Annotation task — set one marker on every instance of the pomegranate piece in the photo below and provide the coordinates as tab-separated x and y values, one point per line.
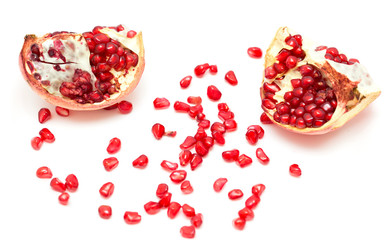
124	107
132	217
188	143
231	78
311	89
63	198
252	201
188	231
161	103
114	145
57	185
262	157
181	107
246	214
201	149
194	100
165	200
230	155
46	135
178	176
235	194
152	207
173	209
295	170
107	189
197	220
188	210
252	136
185	82
44	172
258	189
105	211
244	160
213	93
239	223
44	115
195	161
158	130
83	71
185	157
186	187
219	184
213	69
201	69
230	125
71	183
140	162
63	112
36	143
254	52
110	163
162	189
169	166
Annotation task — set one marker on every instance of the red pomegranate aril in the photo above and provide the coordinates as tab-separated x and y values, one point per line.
140	162
185	82
201	149
107	189
188	210
307	81
270	72
169	166
258	189
265	119
262	157
333	51
63	198
208	142
235	194
230	125
124	107
201	69
254	52
196	161
110	163
152	207
213	93
158	130
185	157
318	113
71	183
219	184
44	172
165	200
280	67
244	160
100	38
194	111
239	223
181	107
162	189
268	103
308	119
178	176
161	103
213	69
200	134
44	114
170	133
99	48
246	213
217	126
105	211
219	138
230	155
186	187
291	62
188	143
204	124
223	107
46	135
300	123
188	231
132	217
36	143
225	115
271	87
57	185
259	130
114	145
252	136
63	112
194	100
231	78
291	41
252	201
197	220
295	170
173	209
306	70
131	33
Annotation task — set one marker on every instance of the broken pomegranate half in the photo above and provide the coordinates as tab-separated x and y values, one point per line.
87	71
312	89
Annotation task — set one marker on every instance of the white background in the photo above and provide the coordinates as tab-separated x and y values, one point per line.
343	190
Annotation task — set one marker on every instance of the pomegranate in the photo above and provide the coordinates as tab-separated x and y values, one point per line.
311	89
85	71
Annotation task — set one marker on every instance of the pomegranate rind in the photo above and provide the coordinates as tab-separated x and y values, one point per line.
352	84
128	83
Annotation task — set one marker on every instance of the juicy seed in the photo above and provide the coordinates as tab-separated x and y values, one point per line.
158	130
178	176
231	78
235	194
46	135
219	184
124	107
71	183
105	211
114	145
254	52
44	172
201	69
132	217
63	198
185	82
161	103
213	93
63	112
140	162
188	231
44	114
106	190
295	170
110	163
36	143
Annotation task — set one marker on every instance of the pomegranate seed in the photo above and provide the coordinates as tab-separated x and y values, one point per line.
267	103
162	189
252	136
204	123
131	34
295	170
219	138
208	141
188	143
140	162
63	198
231	78
259	130
188	231
113	106
200	134
225	115
217	126
107	189
219	184
231	125
197	220
36	143
44	114
244	160
178	176
194	111
258	189
46	135
194	100
57	185
195	161
158	130
105	211
152	207
169	166
173	209
170	133
231	155
188	210
63	112
110	163
114	145
100	38
44	172
291	62
201	149
254	52
262	157
181	107
213	93
124	107
213	69
201	69
252	201
132	217
186	187
235	194
239	223
246	214
161	103
270	72
185	82
71	183
165	200
185	157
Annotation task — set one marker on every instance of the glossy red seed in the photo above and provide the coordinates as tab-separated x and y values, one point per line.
63	198
204	123
194	100
188	143
230	125
265	119
252	201
132	217
217	126
63	112
219	138
185	82
208	142
262	157
235	194
225	115
188	231
158	130
213	69
201	149
258	189
169	166
196	161
188	210
186	187
110	163
46	135
230	155
173	209
246	213
254	52
213	93
140	162
44	172
44	114
270	72
36	143
201	69
239	223
197	220
100	38
57	185
105	211
295	170
252	136
114	145
244	161
165	200
152	207
219	184
71	183
124	107
162	189
107	189
161	103
178	176
131	33
231	78
185	157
